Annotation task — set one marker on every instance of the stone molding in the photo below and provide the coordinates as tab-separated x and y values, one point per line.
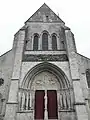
80	103
14	79
75	79
49	57
12	102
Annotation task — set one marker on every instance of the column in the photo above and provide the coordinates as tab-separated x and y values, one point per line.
59	105
30	37
58	43
40	42
49	42
45	112
27	99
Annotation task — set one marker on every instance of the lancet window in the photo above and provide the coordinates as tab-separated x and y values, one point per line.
54	42
35	41
45	40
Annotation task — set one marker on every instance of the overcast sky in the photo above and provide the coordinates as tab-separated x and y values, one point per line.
75	14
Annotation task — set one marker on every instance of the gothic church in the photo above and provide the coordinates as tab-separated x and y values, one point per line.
43	77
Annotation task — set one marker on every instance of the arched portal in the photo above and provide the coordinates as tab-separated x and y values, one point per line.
62	78
46	90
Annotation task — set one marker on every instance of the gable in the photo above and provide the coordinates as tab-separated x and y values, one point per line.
44	14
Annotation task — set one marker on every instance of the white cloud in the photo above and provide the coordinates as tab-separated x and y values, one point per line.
75	13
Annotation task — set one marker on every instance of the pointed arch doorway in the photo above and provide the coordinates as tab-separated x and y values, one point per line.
45	85
46	91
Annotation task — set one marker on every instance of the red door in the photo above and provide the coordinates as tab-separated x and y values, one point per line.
52	104
39	104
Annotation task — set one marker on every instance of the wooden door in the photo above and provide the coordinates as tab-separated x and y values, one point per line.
39	104
52	104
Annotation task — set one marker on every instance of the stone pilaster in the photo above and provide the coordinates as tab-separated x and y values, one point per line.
79	100
58	43
40	42
30	38
49	42
12	104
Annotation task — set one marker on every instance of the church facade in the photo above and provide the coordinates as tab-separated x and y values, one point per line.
43	77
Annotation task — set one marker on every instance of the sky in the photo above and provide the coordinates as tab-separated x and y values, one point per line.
75	14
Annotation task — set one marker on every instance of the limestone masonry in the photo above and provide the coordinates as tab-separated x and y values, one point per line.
43	77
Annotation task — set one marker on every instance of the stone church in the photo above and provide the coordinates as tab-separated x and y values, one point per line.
43	77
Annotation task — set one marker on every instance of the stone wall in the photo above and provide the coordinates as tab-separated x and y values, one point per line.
26	66
39	28
84	64
6	66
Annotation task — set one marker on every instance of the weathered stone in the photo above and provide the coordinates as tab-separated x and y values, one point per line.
23	71
29	57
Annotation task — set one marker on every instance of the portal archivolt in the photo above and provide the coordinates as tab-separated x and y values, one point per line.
48	84
48	67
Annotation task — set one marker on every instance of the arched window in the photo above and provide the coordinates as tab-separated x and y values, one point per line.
45	41
35	42
54	42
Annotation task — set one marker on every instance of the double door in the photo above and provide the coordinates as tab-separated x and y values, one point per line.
46	102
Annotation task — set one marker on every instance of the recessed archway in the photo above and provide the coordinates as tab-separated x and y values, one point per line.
43	82
51	68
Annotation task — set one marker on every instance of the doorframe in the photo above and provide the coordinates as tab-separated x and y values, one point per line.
45	102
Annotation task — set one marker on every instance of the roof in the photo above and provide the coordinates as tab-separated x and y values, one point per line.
44	14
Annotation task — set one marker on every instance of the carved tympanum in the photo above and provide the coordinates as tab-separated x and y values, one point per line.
45	80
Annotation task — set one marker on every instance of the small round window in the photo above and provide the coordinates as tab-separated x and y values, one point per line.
1	81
